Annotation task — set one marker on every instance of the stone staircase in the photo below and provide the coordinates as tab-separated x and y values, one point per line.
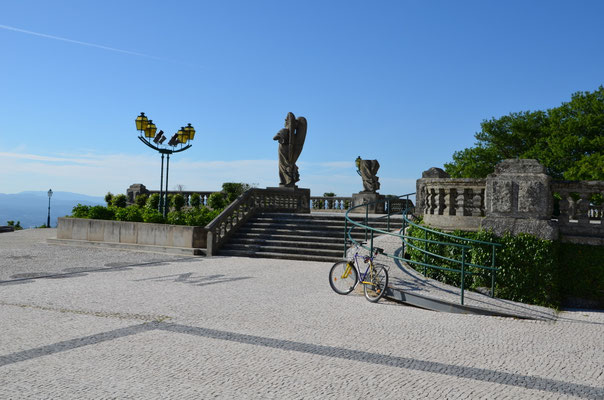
310	237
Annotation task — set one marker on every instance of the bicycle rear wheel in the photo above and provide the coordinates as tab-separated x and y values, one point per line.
343	277
377	281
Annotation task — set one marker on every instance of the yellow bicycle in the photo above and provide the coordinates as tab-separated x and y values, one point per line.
344	276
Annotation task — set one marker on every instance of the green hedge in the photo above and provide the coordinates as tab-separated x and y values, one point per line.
531	270
194	217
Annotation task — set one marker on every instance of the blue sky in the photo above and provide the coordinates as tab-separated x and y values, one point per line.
403	82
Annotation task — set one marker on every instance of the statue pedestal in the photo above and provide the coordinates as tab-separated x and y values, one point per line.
292	198
368	197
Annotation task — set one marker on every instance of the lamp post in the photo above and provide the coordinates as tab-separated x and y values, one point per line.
48	219
147	130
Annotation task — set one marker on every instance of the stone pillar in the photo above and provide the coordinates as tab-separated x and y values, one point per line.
134	190
518	199
378	200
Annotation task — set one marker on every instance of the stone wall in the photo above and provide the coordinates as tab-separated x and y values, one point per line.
96	230
517	198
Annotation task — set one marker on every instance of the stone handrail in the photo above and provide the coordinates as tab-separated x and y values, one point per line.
249	203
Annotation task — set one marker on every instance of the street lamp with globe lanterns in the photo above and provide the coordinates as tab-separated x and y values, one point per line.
147	130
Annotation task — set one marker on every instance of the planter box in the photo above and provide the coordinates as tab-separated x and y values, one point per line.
134	233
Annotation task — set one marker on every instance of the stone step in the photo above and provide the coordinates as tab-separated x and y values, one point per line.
298	226
306	239
355	217
283	256
296	232
329	224
284	249
334	245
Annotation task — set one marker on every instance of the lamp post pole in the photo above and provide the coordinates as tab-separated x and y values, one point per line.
48	219
147	130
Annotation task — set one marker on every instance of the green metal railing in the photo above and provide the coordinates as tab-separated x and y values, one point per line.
421	244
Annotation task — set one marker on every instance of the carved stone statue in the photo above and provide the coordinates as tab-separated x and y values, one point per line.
291	140
368	170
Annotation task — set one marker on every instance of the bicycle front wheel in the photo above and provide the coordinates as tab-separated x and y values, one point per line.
376	282
343	277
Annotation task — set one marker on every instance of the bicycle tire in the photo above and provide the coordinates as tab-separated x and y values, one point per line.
378	276
341	279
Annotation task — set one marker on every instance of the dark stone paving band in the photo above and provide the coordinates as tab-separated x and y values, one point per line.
479	374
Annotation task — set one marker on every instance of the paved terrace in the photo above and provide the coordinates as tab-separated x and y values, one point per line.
105	323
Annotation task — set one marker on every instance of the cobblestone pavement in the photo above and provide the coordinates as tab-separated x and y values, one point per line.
156	326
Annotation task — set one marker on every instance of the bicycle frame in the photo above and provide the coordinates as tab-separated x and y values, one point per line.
354	263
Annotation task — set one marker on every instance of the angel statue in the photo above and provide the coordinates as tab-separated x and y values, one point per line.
291	140
368	170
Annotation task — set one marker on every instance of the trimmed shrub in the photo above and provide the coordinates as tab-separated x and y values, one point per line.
195	200
216	201
132	213
153	202
100	212
176	218
152	216
80	211
178	200
201	216
141	199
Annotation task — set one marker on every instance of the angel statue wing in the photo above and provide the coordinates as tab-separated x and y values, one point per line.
299	138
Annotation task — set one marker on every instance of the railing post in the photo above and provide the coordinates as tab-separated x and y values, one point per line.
493	272
403	238
425	249
463	272
371	245
388	205
366	219
345	236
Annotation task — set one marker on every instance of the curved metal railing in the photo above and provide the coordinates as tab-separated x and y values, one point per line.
418	243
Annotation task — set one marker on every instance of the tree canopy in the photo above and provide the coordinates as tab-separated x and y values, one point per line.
568	140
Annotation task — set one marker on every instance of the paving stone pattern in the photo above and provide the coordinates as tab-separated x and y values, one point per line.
222	327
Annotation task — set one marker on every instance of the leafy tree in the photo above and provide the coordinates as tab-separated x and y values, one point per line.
568	140
120	201
108	198
329	194
233	190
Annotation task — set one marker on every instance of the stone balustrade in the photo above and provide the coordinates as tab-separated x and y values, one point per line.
330	203
451	203
518	197
581	213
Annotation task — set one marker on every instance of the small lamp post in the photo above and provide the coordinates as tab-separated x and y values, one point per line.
147	133
48	219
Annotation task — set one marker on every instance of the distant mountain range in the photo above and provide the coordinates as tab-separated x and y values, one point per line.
31	208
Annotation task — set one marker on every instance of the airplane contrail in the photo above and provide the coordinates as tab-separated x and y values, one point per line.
98	46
